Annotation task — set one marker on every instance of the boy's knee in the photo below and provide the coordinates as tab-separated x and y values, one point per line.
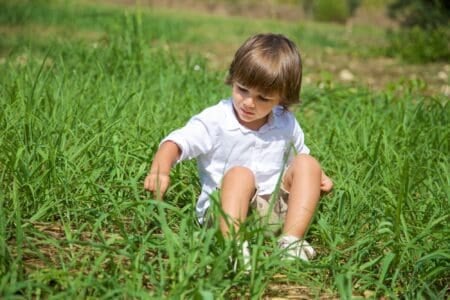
240	172
303	161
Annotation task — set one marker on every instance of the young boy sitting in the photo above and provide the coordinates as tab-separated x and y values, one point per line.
244	144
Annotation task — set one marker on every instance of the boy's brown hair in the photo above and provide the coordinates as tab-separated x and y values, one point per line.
269	63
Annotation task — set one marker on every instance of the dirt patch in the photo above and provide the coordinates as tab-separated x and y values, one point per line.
289	290
379	73
262	9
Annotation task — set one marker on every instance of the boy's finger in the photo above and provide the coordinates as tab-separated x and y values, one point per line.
148	185
326	185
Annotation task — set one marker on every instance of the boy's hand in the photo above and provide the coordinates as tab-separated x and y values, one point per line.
157	184
158	180
326	184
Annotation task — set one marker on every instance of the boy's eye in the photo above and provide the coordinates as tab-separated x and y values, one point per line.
242	89
264	99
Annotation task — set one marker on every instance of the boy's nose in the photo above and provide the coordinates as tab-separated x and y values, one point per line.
249	102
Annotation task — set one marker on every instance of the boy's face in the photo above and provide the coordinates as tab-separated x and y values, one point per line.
252	108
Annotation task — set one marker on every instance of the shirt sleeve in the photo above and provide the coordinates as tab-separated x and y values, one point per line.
299	139
194	139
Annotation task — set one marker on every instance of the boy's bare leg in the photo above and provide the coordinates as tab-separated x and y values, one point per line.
238	188
302	180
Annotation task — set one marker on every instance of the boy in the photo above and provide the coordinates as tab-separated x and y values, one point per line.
241	145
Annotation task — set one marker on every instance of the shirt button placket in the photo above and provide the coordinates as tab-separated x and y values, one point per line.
255	158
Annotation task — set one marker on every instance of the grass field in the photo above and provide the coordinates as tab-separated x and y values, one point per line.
86	94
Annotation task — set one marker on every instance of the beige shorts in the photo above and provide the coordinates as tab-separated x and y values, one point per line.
271	209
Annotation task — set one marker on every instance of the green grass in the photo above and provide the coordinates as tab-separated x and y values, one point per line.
83	107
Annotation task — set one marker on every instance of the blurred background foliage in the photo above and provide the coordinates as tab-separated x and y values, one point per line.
331	11
422	13
424	35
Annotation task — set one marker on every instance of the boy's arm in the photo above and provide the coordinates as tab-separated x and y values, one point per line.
158	180
326	184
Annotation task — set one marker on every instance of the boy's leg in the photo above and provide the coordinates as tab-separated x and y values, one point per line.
302	181
237	190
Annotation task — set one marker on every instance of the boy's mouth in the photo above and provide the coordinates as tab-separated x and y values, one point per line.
246	112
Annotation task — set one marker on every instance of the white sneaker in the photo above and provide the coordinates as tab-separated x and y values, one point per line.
245	257
295	247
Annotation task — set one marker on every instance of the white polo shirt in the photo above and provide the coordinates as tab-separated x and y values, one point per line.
218	141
